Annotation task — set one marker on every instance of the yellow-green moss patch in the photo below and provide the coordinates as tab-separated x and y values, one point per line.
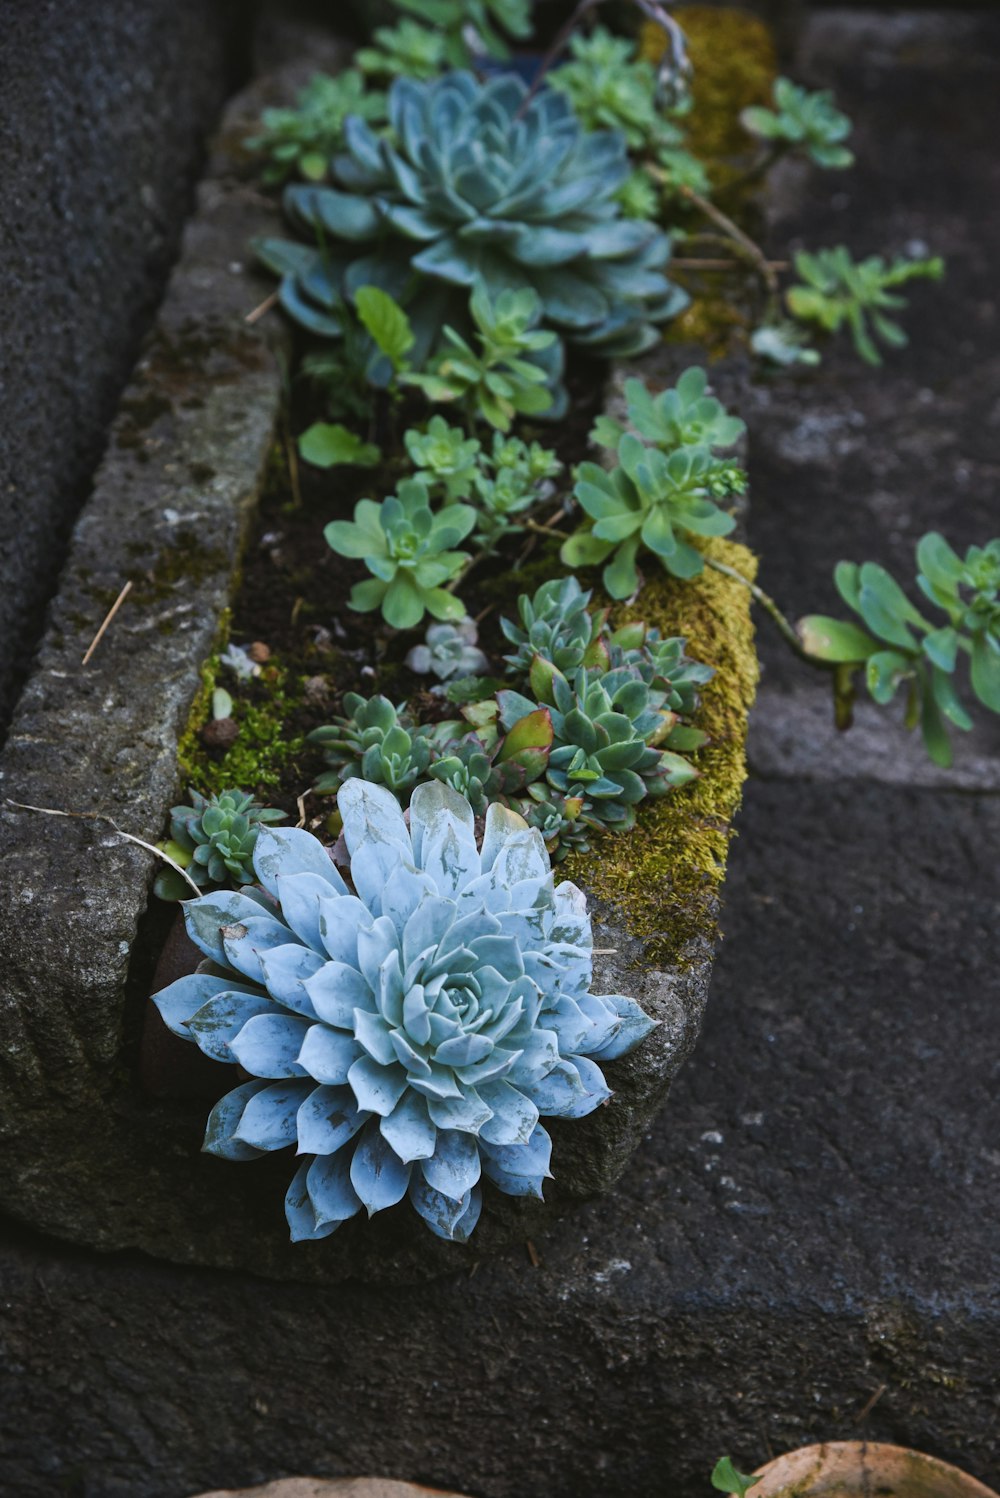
664	874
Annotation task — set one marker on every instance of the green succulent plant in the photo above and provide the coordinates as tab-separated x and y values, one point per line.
375	741
564	822
649	500
837	291
511	479
443	457
301	141
683	416
897	646
406	50
485	765
409	551
607	729
213	841
611	88
805	121
477	182
516	372
485	20
557	625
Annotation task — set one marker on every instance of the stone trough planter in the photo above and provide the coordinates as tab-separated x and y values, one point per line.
85	1152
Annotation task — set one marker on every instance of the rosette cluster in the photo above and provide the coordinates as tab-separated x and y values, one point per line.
408	1031
477	181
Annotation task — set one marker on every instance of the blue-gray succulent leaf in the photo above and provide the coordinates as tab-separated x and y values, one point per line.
292	850
327	1119
268	1045
300	1214
572	1089
339	931
513	1114
224	1120
285	970
222	1018
328	1182
635	1025
269	1120
455	1166
410	1129
520	1169
182	999
451	1220
336	990
378	1175
206	917
328	1055
243	942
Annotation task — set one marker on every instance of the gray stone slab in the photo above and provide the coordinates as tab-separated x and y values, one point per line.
102	131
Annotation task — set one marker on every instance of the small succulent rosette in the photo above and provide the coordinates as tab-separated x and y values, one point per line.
406	1035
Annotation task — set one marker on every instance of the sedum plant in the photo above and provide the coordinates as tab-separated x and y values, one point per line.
516	372
611	88
802	121
607	733
661	490
443	457
683	416
373	741
213	840
836	291
479	182
407	1035
406	50
471	28
449	650
299	142
409	552
896	645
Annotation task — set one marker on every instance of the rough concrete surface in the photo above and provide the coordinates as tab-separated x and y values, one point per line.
104	113
805	1246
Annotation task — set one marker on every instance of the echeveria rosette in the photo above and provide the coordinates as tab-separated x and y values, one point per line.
406	1036
477	183
408	550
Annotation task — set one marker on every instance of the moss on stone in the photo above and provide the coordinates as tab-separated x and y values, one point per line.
733	57
260	754
664	875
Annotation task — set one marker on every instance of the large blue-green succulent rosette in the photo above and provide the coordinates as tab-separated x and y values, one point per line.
406	1031
475	182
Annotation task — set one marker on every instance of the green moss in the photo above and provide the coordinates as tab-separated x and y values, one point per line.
733	57
263	750
664	875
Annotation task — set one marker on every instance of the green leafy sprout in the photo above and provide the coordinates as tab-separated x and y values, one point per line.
506	377
726	1478
802	121
896	645
489	22
406	50
836	291
663	488
299	141
409	551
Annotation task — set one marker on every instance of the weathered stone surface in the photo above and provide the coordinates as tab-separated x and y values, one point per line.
105	112
109	1165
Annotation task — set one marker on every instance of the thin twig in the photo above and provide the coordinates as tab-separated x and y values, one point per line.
767	603
545	530
112	611
882	1388
752	251
100	816
300	802
262	310
700	263
293	469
